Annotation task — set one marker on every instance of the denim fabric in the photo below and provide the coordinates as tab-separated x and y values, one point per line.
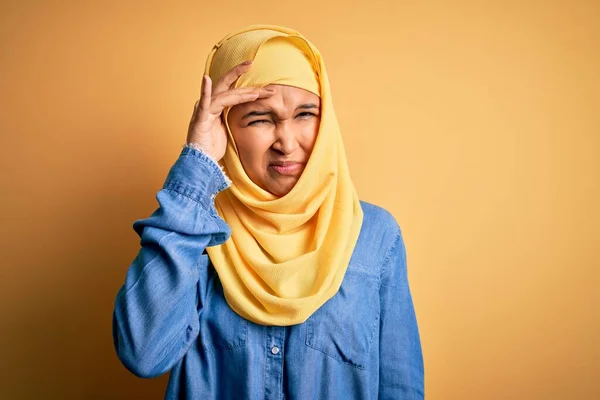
171	315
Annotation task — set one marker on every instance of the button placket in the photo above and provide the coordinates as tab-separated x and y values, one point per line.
274	341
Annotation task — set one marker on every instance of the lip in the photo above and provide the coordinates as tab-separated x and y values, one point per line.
286	167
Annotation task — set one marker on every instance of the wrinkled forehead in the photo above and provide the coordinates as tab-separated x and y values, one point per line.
277	59
284	103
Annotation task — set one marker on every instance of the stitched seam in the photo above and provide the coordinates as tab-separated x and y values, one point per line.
267	364
171	186
388	256
227	347
374	329
310	333
214	348
336	358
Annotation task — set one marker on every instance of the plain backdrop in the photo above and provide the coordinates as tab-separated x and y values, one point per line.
476	123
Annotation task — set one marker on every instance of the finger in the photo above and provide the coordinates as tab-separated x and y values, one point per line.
231	76
264	93
248	90
236	91
203	108
232	99
193	119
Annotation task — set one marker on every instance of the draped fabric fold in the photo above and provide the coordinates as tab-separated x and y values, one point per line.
287	255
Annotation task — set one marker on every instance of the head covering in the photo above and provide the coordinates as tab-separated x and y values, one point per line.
287	255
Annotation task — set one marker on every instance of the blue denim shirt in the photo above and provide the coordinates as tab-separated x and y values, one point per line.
171	314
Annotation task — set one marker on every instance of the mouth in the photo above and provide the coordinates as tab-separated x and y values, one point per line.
286	167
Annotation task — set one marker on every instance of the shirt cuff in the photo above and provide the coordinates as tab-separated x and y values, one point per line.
196	176
215	162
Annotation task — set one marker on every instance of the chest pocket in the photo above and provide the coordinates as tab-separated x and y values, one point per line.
221	328
344	327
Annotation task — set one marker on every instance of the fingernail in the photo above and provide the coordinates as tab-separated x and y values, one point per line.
247	62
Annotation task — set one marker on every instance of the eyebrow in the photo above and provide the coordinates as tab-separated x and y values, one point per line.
308	106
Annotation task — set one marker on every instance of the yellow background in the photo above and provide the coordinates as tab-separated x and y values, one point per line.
477	124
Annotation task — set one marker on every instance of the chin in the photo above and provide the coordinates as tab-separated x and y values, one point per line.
280	190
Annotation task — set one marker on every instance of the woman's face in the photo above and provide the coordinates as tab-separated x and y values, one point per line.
275	136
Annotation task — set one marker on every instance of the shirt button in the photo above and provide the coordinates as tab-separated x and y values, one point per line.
275	350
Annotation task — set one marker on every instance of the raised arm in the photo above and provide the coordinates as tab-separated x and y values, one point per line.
156	311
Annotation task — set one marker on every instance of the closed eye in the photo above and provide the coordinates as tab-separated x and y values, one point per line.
259	122
302	115
305	115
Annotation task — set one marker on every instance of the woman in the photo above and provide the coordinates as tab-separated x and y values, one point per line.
284	285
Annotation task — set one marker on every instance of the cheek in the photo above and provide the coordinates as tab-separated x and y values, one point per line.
252	148
309	135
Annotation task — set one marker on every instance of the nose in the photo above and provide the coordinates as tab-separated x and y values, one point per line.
285	139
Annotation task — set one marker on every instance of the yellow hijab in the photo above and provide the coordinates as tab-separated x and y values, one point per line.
287	255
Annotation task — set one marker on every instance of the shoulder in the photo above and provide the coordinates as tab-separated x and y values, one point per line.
372	211
378	221
379	233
